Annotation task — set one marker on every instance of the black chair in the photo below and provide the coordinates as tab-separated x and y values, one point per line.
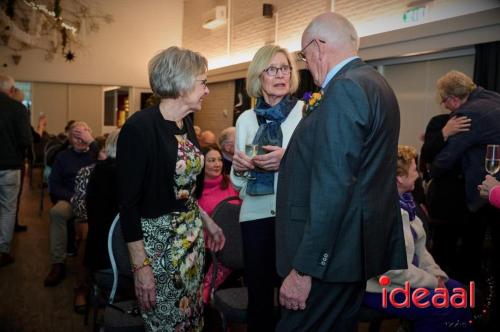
51	148
122	315
230	303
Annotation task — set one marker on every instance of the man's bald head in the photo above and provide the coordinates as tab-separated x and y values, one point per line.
335	30
207	138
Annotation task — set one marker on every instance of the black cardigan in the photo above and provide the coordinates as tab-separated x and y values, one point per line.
146	158
102	207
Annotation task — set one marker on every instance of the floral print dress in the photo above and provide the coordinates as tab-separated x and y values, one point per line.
174	243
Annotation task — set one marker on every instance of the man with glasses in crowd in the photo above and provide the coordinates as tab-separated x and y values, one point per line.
464	98
338	220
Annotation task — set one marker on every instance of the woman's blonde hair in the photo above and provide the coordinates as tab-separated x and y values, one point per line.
174	70
406	154
260	62
455	83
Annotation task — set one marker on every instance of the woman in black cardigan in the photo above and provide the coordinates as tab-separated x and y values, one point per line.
160	176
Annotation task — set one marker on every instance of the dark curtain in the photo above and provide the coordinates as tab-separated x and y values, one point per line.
242	101
306	84
487	66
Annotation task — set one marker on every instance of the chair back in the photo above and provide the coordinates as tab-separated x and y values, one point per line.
227	216
118	256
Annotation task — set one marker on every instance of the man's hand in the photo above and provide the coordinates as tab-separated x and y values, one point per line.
456	125
83	134
271	160
294	291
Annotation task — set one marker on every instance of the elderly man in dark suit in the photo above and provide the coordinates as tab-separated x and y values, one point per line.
460	95
338	221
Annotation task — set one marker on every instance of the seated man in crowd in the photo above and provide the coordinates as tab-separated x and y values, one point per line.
207	138
422	271
226	144
82	152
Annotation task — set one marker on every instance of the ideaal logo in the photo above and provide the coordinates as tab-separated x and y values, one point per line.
442	298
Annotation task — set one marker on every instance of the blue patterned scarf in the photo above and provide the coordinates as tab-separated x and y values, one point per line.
269	133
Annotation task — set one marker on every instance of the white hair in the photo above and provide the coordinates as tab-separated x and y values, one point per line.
334	29
6	83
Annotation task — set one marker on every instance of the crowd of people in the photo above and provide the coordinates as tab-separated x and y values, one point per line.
325	191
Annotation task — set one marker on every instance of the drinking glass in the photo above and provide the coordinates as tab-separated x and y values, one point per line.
492	159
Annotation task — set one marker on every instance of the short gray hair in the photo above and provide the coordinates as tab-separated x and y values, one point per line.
110	145
225	134
6	83
174	70
260	62
335	29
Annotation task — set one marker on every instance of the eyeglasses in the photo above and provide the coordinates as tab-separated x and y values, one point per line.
444	100
203	82
273	71
301	56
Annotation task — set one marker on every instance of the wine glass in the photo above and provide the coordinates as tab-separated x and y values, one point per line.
251	150
492	160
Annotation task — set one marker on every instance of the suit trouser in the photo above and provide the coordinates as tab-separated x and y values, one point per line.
10	181
330	307
259	251
60	213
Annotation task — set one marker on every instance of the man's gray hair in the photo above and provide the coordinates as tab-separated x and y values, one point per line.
174	70
334	29
225	135
6	83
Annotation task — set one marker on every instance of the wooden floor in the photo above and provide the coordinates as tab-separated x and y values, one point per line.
25	304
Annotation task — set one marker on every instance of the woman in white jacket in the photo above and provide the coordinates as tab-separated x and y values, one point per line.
422	271
271	79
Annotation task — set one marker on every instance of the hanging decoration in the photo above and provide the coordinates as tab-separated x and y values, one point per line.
55	27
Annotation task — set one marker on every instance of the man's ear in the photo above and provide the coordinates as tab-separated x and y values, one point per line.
399	179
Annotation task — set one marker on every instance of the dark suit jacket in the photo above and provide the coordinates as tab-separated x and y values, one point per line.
483	108
338	216
446	194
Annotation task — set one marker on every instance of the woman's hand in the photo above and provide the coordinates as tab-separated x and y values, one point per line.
456	125
241	162
271	160
488	184
215	239
145	288
441	282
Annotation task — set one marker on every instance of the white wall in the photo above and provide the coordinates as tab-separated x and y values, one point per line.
415	87
117	54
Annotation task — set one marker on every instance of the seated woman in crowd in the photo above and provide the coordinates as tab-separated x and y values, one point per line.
271	79
490	188
216	188
422	272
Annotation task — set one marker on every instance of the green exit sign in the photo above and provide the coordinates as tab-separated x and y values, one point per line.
413	15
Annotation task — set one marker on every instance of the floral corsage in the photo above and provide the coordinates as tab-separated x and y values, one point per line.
311	102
